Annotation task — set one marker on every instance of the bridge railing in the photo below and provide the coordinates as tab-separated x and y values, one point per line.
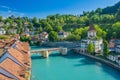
50	49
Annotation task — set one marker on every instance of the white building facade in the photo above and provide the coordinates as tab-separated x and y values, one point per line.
117	49
63	34
44	37
2	31
98	43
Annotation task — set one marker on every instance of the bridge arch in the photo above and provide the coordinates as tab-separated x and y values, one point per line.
46	52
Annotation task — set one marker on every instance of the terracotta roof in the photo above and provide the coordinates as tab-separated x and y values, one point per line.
91	28
11	67
111	43
9	44
3	77
22	47
1	52
2	45
24	58
25	45
16	54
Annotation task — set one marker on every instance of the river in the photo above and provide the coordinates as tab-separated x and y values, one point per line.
71	67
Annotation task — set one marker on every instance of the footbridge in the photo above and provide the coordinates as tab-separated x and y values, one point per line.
46	52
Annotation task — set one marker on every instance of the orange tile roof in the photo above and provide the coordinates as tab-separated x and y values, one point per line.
23	46
2	44
3	77
1	52
11	67
16	54
24	58
9	44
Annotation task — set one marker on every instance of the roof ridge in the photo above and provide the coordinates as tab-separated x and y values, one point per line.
7	70
16	58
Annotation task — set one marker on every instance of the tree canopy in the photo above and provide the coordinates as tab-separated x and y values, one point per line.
53	36
91	48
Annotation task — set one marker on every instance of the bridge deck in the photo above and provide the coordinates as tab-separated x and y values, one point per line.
50	49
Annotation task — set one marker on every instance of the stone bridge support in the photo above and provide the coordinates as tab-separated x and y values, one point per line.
63	51
45	54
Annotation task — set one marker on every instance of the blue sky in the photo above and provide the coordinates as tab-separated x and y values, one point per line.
42	8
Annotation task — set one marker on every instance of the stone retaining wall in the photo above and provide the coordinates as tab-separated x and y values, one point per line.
102	60
65	44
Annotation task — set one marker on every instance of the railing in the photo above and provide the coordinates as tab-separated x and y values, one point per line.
52	49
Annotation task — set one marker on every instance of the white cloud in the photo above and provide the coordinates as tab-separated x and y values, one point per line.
7	14
7	7
10	11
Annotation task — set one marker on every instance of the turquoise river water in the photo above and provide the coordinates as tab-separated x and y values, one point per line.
70	67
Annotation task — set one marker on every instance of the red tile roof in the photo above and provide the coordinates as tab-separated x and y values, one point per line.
16	54
3	77
11	67
9	44
23	46
23	57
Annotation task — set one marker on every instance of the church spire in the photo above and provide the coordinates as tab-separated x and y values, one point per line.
92	32
91	28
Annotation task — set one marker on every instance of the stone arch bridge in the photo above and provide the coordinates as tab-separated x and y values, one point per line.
46	52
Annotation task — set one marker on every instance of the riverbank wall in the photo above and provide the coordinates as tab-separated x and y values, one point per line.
65	44
113	65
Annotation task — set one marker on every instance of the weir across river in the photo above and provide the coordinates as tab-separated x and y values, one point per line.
46	52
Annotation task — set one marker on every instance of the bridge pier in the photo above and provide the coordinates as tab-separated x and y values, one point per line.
45	54
63	51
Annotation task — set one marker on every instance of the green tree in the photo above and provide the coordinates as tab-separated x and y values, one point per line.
100	33
3	37
1	18
25	38
118	15
105	50
73	37
48	27
116	30
35	20
78	31
53	36
99	10
91	48
58	28
31	27
40	29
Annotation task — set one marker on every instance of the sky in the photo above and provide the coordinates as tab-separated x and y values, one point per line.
43	8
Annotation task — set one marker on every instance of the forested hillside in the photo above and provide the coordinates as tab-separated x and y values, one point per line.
107	22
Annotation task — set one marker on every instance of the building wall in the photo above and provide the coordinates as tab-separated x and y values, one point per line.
117	50
2	32
61	36
111	57
12	31
91	34
98	45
